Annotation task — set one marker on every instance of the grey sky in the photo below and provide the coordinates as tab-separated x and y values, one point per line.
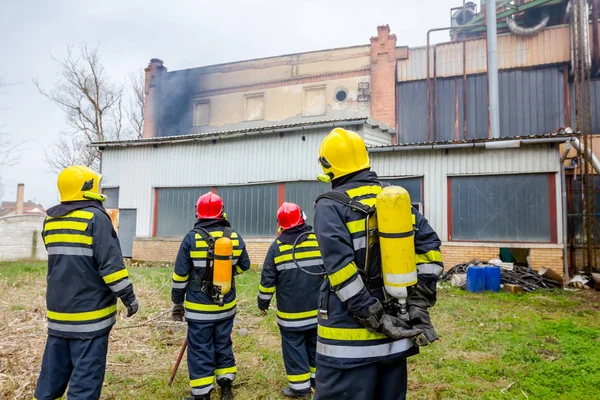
185	34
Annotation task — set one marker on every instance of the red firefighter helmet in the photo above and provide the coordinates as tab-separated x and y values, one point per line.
209	205
289	215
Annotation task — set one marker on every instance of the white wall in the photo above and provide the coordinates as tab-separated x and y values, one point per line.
17	237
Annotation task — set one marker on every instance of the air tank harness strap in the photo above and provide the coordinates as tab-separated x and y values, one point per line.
348	201
354	205
205	282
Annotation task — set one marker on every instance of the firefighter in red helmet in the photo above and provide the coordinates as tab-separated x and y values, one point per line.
297	296
210	322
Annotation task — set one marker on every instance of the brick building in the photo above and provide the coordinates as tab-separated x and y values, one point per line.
250	131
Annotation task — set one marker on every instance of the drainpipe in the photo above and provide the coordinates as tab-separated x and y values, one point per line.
563	185
492	42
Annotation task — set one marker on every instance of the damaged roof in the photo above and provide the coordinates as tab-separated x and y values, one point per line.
557	136
275	128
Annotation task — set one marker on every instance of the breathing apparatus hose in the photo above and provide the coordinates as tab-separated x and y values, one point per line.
297	263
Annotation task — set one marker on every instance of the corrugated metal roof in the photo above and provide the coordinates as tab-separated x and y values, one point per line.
275	128
562	133
551	46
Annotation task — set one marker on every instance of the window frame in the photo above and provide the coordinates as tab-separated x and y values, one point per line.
305	89
197	102
420	204
253	95
551	200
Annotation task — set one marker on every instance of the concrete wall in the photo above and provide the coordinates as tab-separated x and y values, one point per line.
284	103
20	238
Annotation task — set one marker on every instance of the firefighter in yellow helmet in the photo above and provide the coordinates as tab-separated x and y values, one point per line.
362	347
85	276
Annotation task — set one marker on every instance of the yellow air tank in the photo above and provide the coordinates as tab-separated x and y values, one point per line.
223	268
395	231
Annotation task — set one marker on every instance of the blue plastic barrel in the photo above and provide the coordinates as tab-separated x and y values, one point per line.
492	278
475	279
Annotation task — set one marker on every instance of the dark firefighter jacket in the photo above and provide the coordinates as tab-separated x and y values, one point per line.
342	341
191	260
86	273
297	292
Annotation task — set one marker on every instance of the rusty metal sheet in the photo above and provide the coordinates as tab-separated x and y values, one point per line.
550	46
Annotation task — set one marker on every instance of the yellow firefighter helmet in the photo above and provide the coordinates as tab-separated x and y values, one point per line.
78	182
343	152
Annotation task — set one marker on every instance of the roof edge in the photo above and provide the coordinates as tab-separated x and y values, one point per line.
229	134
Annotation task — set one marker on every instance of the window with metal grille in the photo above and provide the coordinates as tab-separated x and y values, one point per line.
506	208
414	187
176	210
251	209
304	194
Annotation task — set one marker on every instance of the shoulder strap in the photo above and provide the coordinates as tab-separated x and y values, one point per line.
208	238
346	200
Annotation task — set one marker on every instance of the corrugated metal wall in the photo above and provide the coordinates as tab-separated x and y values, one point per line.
551	46
531	102
176	210
251	209
594	106
262	158
304	194
435	166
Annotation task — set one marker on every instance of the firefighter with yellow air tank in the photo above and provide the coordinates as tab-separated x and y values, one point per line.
383	262
209	255
85	276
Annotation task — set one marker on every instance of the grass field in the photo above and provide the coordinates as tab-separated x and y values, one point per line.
543	345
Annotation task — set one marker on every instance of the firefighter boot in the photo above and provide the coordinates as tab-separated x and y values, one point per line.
201	397
302	394
226	389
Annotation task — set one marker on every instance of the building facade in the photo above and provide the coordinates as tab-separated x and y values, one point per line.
250	131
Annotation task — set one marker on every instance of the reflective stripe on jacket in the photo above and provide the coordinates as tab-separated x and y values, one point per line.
193	254
86	272
297	293
342	341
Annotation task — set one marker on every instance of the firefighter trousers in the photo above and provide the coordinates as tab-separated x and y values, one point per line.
377	381
78	363
299	352
210	354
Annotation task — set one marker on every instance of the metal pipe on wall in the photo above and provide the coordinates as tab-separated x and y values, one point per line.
428	48
506	144
595	52
492	41
435	93
563	191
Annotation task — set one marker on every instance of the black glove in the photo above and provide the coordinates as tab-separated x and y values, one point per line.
390	326
178	313
419	318
132	308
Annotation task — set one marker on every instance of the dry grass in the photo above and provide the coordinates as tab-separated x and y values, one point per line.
493	346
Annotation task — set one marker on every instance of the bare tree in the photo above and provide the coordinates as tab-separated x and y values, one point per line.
92	105
135	111
8	149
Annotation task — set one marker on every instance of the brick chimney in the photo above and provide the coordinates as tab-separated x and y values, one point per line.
153	72
383	77
20	198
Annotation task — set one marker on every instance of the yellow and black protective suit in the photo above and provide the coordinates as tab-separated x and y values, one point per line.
354	362
210	352
297	295
86	274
